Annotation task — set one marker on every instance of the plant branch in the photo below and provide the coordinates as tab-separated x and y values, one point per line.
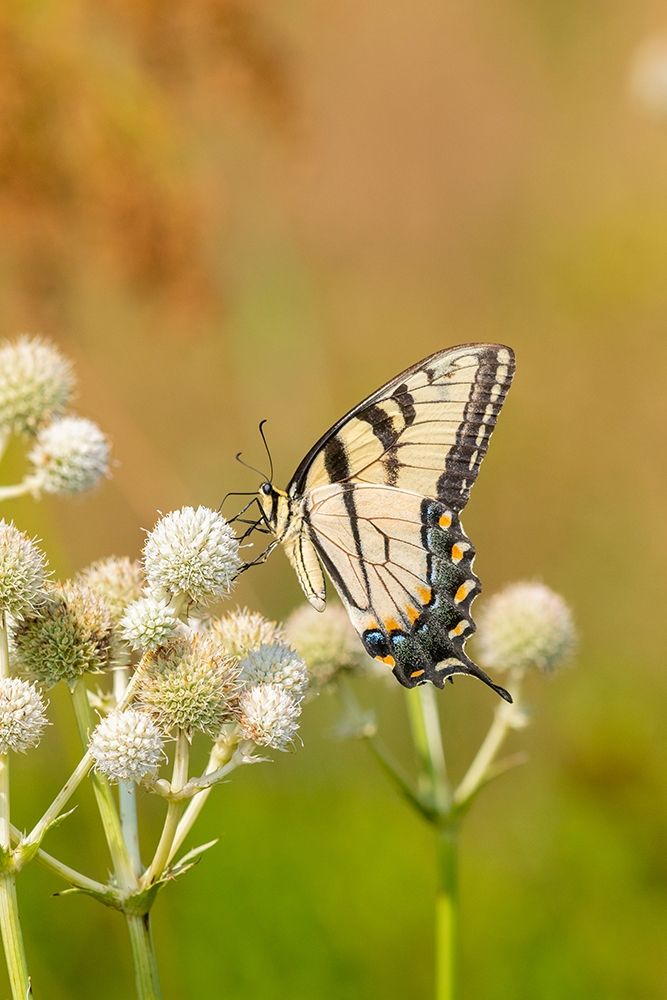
174	809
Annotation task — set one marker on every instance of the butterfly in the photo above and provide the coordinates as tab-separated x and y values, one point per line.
376	503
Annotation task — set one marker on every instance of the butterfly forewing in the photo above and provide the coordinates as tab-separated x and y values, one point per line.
381	495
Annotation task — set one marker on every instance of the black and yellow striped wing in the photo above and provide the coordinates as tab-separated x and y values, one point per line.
381	495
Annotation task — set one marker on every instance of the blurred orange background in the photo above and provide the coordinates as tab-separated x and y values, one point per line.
225	211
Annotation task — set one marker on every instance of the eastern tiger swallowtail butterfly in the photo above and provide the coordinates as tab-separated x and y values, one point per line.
376	502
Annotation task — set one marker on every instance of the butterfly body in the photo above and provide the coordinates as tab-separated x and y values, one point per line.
376	502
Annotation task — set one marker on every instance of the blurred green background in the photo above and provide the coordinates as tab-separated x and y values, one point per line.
226	210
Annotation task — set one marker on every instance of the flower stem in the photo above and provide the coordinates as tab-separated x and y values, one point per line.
103	794
476	775
12	939
446	914
17	490
174	810
10	927
218	758
143	954
427	737
127	793
64	871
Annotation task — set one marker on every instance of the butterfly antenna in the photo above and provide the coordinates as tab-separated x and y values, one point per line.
268	450
251	467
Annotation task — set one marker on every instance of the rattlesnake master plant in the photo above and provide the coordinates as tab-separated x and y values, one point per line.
525	628
150	671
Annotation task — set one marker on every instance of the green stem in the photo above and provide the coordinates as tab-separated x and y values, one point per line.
427	738
64	871
103	794
143	955
165	847
446	914
398	777
127	792
220	755
16	490
10	926
12	940
476	776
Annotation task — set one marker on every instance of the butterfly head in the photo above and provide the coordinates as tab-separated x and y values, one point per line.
275	507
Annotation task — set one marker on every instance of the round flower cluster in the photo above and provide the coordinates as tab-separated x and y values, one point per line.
241	631
275	663
127	746
269	715
327	642
22	572
36	383
69	456
117	580
190	684
526	625
71	634
148	623
275	680
193	554
22	715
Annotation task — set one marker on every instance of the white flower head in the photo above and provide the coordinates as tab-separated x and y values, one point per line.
117	580
190	684
22	715
326	642
127	746
275	663
269	716
71	633
191	553
70	456
242	630
36	383
526	625
22	572
148	623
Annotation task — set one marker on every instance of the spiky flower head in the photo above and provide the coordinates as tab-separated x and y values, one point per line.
241	631
117	580
275	663
36	383
526	625
326	642
191	553
269	715
148	623
69	456
22	572
127	746
191	684
69	635
22	715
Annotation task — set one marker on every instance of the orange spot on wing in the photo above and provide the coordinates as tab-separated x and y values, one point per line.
392	625
426	594
460	628
457	553
463	591
389	660
445	520
413	613
416	673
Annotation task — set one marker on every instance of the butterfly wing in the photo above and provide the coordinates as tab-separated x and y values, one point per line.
402	566
381	493
427	430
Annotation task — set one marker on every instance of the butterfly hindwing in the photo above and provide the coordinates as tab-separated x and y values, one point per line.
402	565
